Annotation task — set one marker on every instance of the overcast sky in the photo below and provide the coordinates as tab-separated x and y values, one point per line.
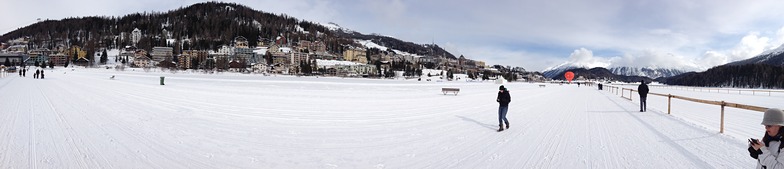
531	34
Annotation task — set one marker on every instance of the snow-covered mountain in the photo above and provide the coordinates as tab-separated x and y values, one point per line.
773	57
554	71
652	73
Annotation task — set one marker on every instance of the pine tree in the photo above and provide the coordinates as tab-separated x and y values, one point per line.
51	65
75	55
104	57
268	57
7	62
378	67
315	64
194	63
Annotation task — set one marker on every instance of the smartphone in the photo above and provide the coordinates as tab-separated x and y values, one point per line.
753	141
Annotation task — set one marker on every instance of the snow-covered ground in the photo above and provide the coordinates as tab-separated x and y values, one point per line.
80	118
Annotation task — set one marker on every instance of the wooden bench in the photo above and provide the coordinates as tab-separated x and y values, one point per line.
447	90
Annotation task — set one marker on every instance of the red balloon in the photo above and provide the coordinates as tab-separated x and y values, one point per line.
569	76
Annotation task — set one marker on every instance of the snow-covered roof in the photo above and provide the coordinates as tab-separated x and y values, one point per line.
260	50
285	49
322	62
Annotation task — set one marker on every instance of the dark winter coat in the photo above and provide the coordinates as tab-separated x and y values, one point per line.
504	98
643	90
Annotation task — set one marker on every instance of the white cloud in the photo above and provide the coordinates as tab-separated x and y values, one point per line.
749	46
654	59
497	56
584	57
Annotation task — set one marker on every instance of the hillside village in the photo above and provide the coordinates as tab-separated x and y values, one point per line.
277	55
219	37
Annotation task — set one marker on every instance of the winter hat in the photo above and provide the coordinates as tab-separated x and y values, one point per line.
501	88
773	116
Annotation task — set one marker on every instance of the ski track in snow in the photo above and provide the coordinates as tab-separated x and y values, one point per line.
82	119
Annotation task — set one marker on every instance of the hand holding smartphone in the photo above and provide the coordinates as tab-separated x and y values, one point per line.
753	141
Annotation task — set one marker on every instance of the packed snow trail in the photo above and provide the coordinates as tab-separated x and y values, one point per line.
82	119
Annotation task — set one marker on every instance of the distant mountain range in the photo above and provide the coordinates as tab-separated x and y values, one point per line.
601	74
646	72
762	71
652	73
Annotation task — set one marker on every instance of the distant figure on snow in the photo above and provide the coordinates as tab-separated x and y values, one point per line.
42	74
35	76
24	72
20	73
768	150
643	91
503	100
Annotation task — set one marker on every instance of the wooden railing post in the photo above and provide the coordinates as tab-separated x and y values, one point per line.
722	117
622	93
669	103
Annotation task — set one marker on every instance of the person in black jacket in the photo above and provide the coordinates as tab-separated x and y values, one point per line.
643	91
503	100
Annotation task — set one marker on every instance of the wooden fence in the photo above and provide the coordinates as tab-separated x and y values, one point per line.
622	91
719	90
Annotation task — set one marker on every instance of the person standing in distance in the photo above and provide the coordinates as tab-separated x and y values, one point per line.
503	100
643	91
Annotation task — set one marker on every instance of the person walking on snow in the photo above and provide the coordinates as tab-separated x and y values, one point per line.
35	76
768	151
643	91
503	100
42	74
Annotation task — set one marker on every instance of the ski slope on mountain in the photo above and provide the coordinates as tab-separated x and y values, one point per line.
80	118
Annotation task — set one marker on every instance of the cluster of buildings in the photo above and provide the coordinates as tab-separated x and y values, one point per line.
17	53
278	56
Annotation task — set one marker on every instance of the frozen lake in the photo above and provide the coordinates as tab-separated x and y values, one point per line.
82	119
